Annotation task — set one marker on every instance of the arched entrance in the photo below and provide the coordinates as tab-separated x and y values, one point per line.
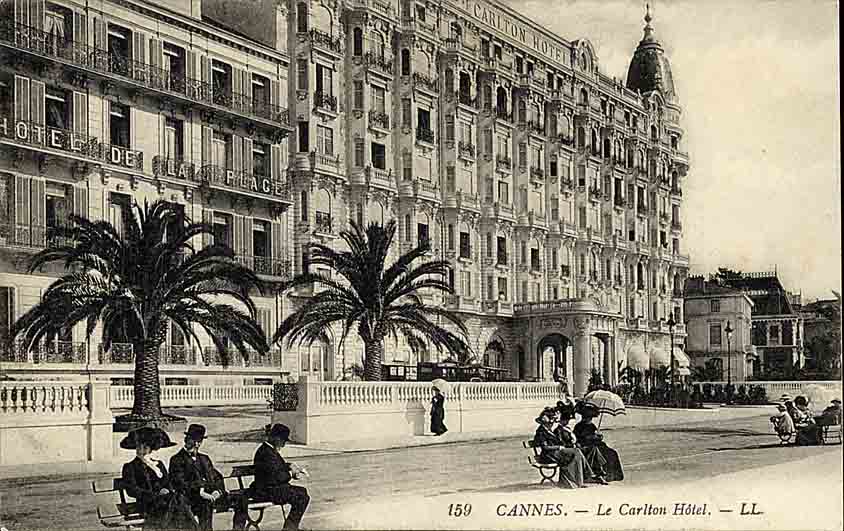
553	358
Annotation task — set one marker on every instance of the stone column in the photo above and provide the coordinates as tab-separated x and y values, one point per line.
581	363
607	374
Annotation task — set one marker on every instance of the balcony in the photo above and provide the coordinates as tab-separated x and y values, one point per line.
176	355
498	307
266	266
378	63
619	201
322	222
503	164
531	82
466	150
46	352
424	82
501	259
323	41
595	193
566	184
676	224
118	353
424	135
537	173
45	137
27	236
642	209
681	259
379	6
325	102
465	99
415	25
565	271
107	65
503	115
492	65
242	182
563	140
327	162
379	120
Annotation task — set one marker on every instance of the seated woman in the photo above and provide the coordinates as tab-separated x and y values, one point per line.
146	479
782	421
603	459
556	446
808	432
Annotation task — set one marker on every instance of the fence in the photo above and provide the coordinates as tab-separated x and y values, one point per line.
49	421
775	389
122	396
332	411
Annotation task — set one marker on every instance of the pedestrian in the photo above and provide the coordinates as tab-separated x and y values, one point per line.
438	413
147	481
194	476
273	475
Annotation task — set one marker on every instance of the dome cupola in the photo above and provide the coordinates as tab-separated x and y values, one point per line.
649	69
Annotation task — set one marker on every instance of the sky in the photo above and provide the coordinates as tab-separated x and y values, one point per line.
759	85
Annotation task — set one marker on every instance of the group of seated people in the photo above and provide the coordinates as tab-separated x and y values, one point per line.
191	492
795	417
581	453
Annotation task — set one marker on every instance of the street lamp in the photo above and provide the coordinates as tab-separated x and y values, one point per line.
729	332
671	325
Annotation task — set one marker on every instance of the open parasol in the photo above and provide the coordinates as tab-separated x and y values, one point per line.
442	385
605	402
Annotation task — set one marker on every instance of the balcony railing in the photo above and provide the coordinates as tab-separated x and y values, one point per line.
267	266
502	259
565	271
424	81
537	173
465	149
176	355
619	201
325	101
322	223
320	39
46	352
502	114
566	183
425	135
88	57
379	119
595	193
118	353
242	181
35	134
30	236
379	62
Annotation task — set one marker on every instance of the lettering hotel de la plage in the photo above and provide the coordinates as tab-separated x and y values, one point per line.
90	147
491	17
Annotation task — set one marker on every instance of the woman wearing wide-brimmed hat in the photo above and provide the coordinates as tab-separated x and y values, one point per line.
145	479
604	460
558	445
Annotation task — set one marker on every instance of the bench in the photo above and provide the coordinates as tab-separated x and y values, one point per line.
784	435
547	470
127	515
830	428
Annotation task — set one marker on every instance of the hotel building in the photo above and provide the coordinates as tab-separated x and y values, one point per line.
554	190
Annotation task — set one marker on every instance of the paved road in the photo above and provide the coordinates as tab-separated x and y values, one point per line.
652	455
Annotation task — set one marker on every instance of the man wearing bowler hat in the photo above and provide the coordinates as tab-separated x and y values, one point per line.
193	474
273	475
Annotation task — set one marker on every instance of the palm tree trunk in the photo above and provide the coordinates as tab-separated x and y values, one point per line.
373	355
147	385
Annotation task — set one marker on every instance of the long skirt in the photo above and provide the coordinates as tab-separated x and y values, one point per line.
573	467
809	435
170	511
604	462
438	420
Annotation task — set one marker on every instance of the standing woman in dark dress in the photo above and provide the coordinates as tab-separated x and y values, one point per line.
604	460
145	478
438	413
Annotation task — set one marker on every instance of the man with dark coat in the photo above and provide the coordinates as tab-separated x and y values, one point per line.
193	475
273	475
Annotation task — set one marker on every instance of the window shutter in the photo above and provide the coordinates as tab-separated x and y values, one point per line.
80	199
237	234
22	187
80	28
162	141
80	113
237	87
247	90
190	66
36	14
106	127
247	156
36	108
37	210
22	8
100	34
207	136
139	41
237	153
276	170
156	53
247	238
208	219
277	240
275	94
21	99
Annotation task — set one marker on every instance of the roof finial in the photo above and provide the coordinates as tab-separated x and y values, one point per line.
648	16
649	30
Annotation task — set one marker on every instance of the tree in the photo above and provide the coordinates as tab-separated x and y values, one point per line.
376	299
710	372
135	282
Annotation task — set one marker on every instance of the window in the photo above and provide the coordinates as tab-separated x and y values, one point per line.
378	99
405	62
260	239
357	100
497	51
489	244
119	125
357	42
57	208
221	150
118	204
302	17
450	236
57	110
465	245
715	334
422	235
379	156
502	288
450	178
260	160
774	334
502	250
221	81
324	84
553	168
302	74
222	229
173	63
359	152
423	119
520	65
119	49
503	192
407	166
581	217
7	311
406	116
260	92
174	139
449	128
534	259
325	140
466	283
715	306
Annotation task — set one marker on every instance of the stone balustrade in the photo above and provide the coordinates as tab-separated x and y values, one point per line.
775	389
51	398
331	411
195	395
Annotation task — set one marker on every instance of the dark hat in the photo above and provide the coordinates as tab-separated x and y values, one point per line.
196	432
547	413
155	438
836	400
566	409
801	401
277	431
588	410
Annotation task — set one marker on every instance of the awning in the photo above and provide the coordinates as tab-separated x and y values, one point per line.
684	371
637	359
681	358
659	358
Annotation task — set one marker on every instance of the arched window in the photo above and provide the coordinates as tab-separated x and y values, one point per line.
357	42
501	100
465	86
654	133
581	137
449	80
522	111
302	17
405	62
488	96
584	97
552	124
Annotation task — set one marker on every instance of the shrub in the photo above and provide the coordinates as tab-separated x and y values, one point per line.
285	397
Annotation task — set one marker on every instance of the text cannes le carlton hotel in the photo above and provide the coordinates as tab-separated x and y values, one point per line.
502	145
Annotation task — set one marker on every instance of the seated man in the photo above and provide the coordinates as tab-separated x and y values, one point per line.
194	476
604	460
273	475
832	413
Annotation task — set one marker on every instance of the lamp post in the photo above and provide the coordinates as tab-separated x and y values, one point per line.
671	325
729	332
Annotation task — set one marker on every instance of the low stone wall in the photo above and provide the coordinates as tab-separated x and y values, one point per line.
54	422
347	411
123	396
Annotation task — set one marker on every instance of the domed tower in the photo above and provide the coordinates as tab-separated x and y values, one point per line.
649	69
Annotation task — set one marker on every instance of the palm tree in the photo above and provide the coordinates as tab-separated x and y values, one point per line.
136	281
376	299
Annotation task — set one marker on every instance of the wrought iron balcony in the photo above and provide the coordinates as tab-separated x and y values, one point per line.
267	266
425	135
595	193
103	62
243	182
324	41
118	353
322	222
425	82
537	173
502	259
465	149
503	163
28	236
502	114
325	101
176	355
379	119
565	270
379	62
46	352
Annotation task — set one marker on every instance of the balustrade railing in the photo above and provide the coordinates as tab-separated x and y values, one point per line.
425	81
379	119
466	149
322	222
379	62
50	398
425	135
325	101
323	40
268	266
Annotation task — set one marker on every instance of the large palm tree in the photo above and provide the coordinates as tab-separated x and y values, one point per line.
134	282
376	299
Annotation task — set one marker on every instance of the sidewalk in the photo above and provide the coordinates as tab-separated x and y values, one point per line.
234	433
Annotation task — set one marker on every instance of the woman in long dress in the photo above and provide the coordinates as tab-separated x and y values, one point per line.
603	459
438	413
145	478
557	445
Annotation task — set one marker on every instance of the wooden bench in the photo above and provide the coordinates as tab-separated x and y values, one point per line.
127	515
547	470
830	428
